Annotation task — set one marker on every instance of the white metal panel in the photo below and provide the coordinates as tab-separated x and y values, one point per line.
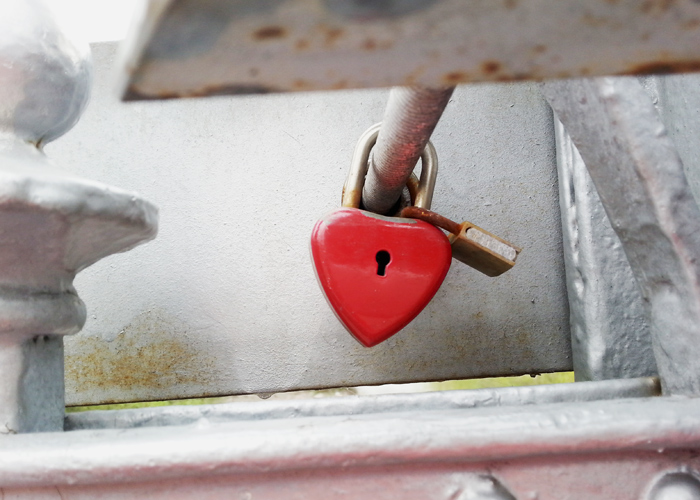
225	300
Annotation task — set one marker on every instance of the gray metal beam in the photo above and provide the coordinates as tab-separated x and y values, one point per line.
194	47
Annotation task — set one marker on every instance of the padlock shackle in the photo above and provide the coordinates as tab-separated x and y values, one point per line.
428	177
352	190
355	181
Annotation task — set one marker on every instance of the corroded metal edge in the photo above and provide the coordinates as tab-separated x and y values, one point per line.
198	49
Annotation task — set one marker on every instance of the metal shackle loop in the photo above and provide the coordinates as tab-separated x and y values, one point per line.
352	190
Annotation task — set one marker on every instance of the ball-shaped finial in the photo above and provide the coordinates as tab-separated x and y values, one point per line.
676	486
45	76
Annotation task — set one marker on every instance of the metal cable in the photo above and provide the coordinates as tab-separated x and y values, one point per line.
409	119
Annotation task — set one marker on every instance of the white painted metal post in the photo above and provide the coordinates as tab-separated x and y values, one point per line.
52	224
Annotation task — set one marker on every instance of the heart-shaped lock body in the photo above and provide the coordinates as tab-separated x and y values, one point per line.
378	273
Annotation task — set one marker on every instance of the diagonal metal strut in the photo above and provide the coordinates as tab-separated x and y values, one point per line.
640	179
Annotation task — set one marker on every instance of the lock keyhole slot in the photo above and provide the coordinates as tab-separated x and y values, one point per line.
383	259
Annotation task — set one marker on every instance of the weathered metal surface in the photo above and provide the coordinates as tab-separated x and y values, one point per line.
597	450
409	119
338	406
225	300
610	335
677	98
194	47
597	477
605	343
52	224
641	182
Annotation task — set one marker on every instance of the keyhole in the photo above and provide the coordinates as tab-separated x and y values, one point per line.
383	259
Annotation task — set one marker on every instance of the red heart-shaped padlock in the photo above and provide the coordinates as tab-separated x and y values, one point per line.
376	272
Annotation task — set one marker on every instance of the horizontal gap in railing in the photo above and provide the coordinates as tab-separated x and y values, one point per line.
449	385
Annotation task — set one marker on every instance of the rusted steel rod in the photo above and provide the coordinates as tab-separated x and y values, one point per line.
409	119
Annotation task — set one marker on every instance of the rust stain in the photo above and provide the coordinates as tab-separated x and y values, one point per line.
300	84
455	77
539	49
691	24
510	4
519	77
664	68
135	94
413	76
342	84
432	218
332	35
369	44
253	72
655	7
151	352
234	89
490	67
302	44
269	33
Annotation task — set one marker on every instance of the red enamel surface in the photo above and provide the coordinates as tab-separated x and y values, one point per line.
344	246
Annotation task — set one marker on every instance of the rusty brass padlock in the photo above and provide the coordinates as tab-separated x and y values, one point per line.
475	247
